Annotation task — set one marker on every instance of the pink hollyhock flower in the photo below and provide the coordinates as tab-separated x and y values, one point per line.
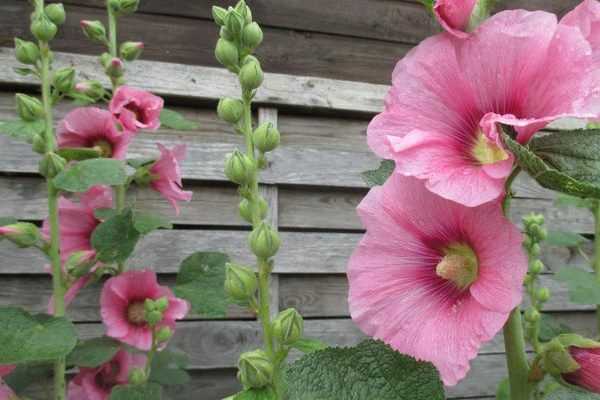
586	17
97	383
454	15
432	278
440	121
588	376
6	393
122	307
166	175
6	369
95	128
136	109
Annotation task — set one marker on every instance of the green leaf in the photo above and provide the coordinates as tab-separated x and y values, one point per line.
26	374
201	281
148	391
145	223
174	120
266	393
378	176
370	370
551	328
583	286
93	352
115	238
307	345
105	213
570	393
503	390
564	200
78	153
8	221
28	338
564	239
168	368
22	130
85	174
139	162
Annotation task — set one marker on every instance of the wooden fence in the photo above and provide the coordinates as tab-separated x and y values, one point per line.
329	63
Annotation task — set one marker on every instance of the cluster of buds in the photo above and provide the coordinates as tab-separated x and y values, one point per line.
154	309
45	22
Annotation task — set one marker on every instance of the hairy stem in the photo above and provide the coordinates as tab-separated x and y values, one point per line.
596	210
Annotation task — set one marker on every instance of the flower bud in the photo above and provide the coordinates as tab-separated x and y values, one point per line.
94	30
164	334
23	234
264	241
80	263
56	13
532	315
288	326
539	232
51	165
131	51
38	143
43	29
115	68
153	317
137	376
543	295
240	282
556	359
255	369
29	108
64	79
225	34
249	59
161	304
535	250
26	52
234	22
537	267
93	89
128	6
244	11
252	36
219	14
114	5
230	110
227	54
266	137
246	210
239	168
149	305
251	75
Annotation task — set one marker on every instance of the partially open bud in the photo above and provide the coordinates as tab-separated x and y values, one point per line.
264	241
164	334
234	22
230	110
227	54
64	79
588	375
43	28
266	137
94	30
115	68
93	89
240	282
219	14
239	168
288	326
137	376
23	234
131	51
252	36
29	108
26	52
556	356
251	75
80	263
56	13
51	165
255	369
246	210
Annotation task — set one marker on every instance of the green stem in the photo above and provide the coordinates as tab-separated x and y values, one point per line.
151	353
112	39
597	253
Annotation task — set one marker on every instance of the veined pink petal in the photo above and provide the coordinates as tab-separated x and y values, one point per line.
166	174
136	109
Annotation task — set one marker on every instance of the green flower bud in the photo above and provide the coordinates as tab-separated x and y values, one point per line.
240	282
38	143
64	79
539	232
537	267
51	165
532	315
249	59
219	14
115	5
230	110
225	34
153	317
93	89
252	36
264	241
535	250
234	22
244	11
23	234
115	68
164	334
29	108
162	304
528	279
527	242
128	6
251	75
266	137
239	168
131	51
56	13
94	30
227	54
556	359
43	29
137	376
26	52
246	210
543	294
288	326
80	263
149	305
255	369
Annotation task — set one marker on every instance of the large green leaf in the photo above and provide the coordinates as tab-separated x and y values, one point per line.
550	328
78	153
570	393
174	120
564	239
25	375
115	238
377	177
85	174
370	370
22	130
93	352
583	286
168	368
201	281
564	200
145	222
26	337
148	391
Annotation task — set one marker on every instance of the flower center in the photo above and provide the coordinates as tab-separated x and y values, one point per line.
103	147
136	313
459	266
487	152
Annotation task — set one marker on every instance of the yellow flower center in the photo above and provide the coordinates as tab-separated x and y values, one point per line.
103	147
487	152
459	266
136	313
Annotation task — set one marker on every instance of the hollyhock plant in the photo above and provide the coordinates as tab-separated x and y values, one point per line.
454	15
432	278
166	175
97	383
94	128
518	68
123	312
136	108
588	376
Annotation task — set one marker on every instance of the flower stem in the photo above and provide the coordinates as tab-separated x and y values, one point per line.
596	210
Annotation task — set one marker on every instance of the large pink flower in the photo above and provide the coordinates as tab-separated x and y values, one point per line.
136	109
588	376
122	307
97	383
432	278
440	120
166	175
95	128
454	15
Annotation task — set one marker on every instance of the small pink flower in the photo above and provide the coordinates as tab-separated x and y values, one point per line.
432	278
166	175
97	383
6	393
588	376
136	109
6	369
454	15
122	307
440	121
94	128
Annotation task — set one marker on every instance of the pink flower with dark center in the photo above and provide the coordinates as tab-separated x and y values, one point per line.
454	15
588	376
97	383
93	128
166	175
432	278
122	307
440	121
136	109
